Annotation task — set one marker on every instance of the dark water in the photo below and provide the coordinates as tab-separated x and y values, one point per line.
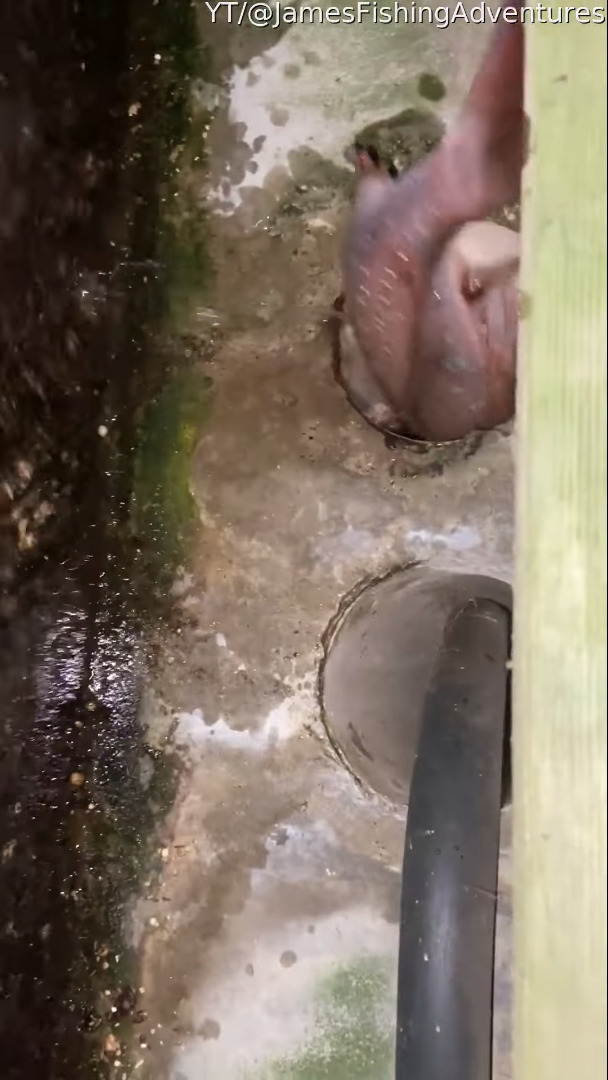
79	230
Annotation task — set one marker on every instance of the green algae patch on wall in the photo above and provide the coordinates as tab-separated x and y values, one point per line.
183	254
353	1038
164	510
183	244
188	102
174	395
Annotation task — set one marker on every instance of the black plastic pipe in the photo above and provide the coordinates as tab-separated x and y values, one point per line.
450	868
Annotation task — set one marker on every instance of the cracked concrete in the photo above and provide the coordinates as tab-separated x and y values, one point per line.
269	937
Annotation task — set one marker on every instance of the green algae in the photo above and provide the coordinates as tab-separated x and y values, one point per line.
164	510
352	1039
183	253
404	138
175	393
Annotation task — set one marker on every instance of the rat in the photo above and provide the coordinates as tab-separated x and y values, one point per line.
428	328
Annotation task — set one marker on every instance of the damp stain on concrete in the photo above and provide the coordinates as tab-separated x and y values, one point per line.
360	72
431	87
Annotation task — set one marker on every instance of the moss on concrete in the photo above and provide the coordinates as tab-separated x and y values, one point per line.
405	137
353	1039
170	422
163	508
183	255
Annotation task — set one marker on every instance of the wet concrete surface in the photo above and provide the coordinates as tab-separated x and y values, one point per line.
260	940
77	788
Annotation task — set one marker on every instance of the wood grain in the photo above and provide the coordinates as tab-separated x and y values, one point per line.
560	616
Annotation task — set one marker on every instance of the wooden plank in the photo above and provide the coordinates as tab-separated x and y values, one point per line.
560	617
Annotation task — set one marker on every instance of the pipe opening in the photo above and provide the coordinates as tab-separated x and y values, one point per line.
380	654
